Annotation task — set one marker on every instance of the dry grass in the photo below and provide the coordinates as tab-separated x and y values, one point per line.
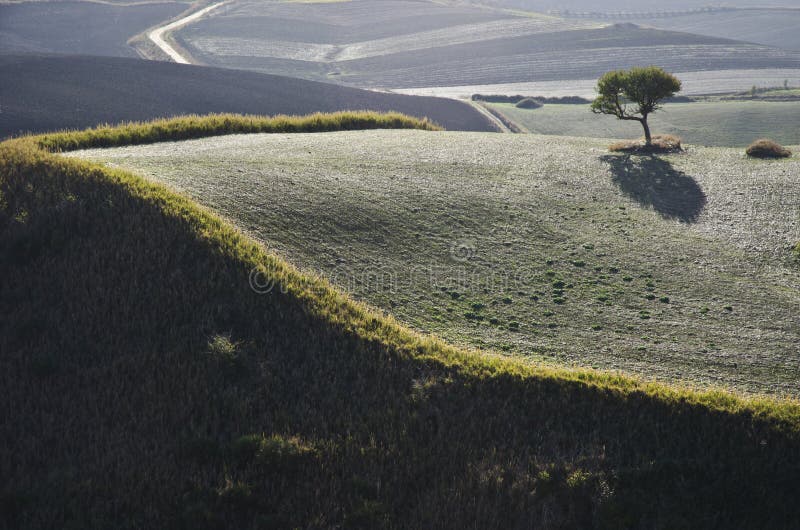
662	143
766	148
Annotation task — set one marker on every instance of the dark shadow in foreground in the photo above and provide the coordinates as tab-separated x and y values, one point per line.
652	181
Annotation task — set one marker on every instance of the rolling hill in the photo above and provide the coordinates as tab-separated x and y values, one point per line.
402	44
677	267
150	379
41	93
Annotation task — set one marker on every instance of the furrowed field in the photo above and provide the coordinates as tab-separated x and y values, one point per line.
677	267
50	27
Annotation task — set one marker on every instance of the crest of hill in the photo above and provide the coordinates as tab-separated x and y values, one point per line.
148	385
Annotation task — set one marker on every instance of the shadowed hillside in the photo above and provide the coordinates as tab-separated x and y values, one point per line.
43	93
146	384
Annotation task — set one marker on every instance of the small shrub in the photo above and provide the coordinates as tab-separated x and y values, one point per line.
529	103
662	143
225	354
766	148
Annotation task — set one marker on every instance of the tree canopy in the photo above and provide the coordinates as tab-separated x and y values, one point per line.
634	94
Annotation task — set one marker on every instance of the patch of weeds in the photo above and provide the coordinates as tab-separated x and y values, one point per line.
471	315
578	263
559	300
507	300
650	296
597	327
274	452
477	306
627	279
664	299
513	325
644	315
558	284
225	353
728	308
550	273
704	310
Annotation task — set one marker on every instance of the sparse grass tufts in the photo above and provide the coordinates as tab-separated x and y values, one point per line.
766	148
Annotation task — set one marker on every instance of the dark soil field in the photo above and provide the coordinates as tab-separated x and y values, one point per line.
42	93
50	27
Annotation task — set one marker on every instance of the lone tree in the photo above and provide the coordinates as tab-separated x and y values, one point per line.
634	94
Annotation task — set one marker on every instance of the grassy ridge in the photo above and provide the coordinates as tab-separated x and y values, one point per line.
148	385
186	127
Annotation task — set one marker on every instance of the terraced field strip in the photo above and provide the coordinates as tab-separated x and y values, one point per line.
566	64
694	83
461	34
157	35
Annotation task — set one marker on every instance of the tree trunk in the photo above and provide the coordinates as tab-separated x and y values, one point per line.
648	140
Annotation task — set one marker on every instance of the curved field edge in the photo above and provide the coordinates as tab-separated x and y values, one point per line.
742	440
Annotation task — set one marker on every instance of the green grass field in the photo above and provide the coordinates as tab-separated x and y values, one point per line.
729	123
151	379
676	267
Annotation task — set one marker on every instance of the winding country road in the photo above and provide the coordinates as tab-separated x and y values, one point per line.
157	35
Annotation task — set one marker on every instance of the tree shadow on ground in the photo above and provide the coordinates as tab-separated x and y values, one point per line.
652	181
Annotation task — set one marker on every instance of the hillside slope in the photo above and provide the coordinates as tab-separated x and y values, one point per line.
677	267
44	93
146	384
